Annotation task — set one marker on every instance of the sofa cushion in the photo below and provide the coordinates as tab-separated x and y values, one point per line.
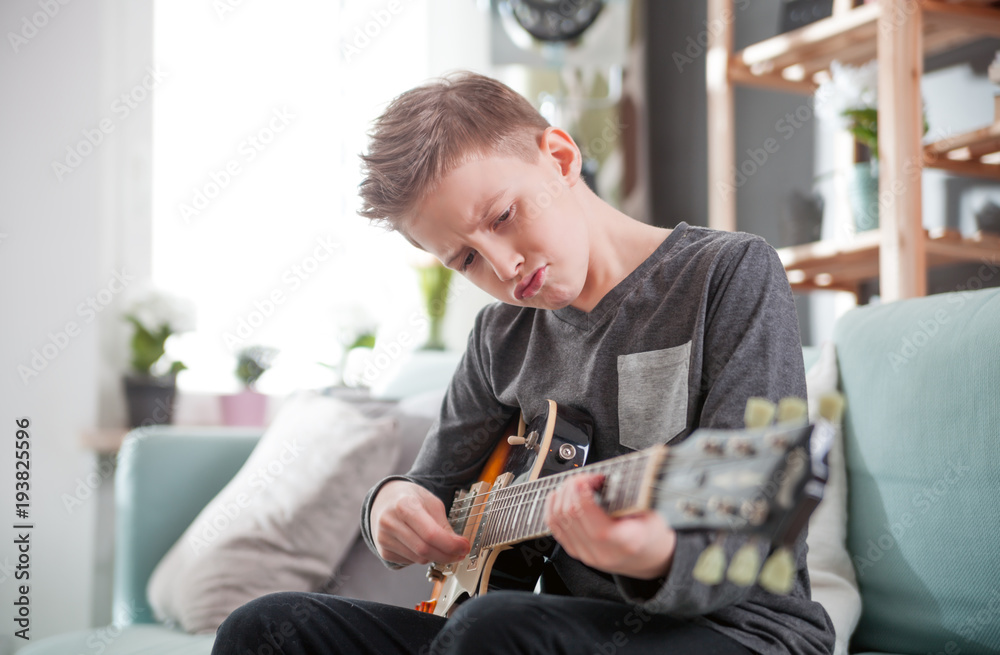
285	520
831	576
126	640
921	428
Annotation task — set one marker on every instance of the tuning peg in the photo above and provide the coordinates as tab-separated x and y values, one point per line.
831	406
792	408
746	562
778	573
759	412
710	566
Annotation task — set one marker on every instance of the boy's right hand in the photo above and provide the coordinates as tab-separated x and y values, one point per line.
410	526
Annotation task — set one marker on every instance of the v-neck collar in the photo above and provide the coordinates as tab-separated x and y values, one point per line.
605	306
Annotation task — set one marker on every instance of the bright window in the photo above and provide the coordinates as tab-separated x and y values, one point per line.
257	128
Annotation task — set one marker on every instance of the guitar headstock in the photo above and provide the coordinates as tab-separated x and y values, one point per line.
763	481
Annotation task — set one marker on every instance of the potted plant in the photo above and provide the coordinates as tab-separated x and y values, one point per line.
151	383
435	279
850	98
248	407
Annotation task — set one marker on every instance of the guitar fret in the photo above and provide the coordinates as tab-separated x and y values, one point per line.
518	512
508	510
518	506
489	520
499	512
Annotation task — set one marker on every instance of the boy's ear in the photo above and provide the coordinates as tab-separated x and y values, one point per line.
560	149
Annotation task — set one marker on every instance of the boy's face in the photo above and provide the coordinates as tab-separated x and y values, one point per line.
517	230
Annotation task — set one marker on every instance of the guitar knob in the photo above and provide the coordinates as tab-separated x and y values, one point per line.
831	407
759	412
743	569
792	408
778	573
567	451
532	440
710	566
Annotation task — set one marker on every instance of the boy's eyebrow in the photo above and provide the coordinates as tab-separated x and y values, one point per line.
484	215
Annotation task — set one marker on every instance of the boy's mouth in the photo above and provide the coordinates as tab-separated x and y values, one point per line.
528	287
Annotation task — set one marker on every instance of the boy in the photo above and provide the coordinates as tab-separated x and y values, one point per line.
653	332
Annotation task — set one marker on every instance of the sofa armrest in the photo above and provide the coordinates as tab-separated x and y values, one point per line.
165	476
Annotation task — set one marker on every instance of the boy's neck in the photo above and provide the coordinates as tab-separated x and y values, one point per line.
618	244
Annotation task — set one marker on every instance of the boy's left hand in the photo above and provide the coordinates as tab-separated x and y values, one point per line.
638	546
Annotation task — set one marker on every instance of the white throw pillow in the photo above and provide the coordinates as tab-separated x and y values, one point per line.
831	574
286	519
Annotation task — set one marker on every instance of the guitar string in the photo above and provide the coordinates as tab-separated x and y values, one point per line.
504	502
621	460
512	535
540	482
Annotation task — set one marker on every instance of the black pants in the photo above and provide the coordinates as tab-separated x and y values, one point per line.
507	622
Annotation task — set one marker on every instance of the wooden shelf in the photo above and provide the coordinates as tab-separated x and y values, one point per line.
842	266
104	441
797	61
974	153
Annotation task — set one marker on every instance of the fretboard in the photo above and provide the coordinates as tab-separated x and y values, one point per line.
517	513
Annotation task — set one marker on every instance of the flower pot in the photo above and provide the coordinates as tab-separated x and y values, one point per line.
245	408
150	399
863	190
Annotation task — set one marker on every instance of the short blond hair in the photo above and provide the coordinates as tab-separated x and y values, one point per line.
431	129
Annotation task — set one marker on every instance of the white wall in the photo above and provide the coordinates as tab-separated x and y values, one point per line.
63	241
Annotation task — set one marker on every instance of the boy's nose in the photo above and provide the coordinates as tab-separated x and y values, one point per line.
506	262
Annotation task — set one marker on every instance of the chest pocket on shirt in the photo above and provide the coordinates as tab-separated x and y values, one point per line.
652	396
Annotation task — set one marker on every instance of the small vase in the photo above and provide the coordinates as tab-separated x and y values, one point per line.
864	195
150	399
245	408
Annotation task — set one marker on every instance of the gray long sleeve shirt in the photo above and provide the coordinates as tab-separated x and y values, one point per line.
705	322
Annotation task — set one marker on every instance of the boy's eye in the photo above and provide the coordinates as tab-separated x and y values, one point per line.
467	262
471	257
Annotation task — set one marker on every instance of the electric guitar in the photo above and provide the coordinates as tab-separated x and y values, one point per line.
763	481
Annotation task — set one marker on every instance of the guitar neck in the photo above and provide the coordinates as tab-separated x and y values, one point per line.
517	513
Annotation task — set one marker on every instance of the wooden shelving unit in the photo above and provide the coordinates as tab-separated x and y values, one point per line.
900	33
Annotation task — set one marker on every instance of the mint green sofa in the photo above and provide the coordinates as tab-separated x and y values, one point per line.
922	444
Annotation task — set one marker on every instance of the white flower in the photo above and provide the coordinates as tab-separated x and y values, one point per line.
154	308
849	87
352	319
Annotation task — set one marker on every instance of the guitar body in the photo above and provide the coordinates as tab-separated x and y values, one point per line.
555	441
762	482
